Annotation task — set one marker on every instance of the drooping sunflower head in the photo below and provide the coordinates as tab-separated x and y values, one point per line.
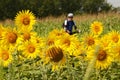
25	20
114	36
96	27
56	55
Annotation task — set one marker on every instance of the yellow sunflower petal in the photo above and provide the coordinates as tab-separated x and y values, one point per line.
25	20
96	27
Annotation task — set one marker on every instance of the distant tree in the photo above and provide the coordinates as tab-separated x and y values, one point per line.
106	7
43	8
70	5
94	6
8	9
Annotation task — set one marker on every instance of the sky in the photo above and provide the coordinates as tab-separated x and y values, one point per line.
115	3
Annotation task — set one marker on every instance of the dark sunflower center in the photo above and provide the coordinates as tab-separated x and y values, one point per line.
26	36
90	41
5	55
59	34
55	54
115	38
118	50
66	42
31	49
97	29
101	55
12	37
37	40
26	21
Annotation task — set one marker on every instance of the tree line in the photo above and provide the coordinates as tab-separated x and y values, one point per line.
43	8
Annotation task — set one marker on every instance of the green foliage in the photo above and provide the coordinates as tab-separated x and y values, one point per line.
8	8
43	8
95	6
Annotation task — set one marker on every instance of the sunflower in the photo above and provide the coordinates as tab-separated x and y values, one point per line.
105	41
96	27
78	50
116	52
104	57
25	20
50	40
68	43
10	38
30	49
55	54
5	56
40	41
89	41
56	35
1	30
114	36
27	35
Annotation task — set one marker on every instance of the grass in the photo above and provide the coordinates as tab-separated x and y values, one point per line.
109	20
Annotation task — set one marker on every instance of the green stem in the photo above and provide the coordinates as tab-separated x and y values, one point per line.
9	72
33	69
91	66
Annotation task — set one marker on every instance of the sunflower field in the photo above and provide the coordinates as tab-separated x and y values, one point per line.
33	49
